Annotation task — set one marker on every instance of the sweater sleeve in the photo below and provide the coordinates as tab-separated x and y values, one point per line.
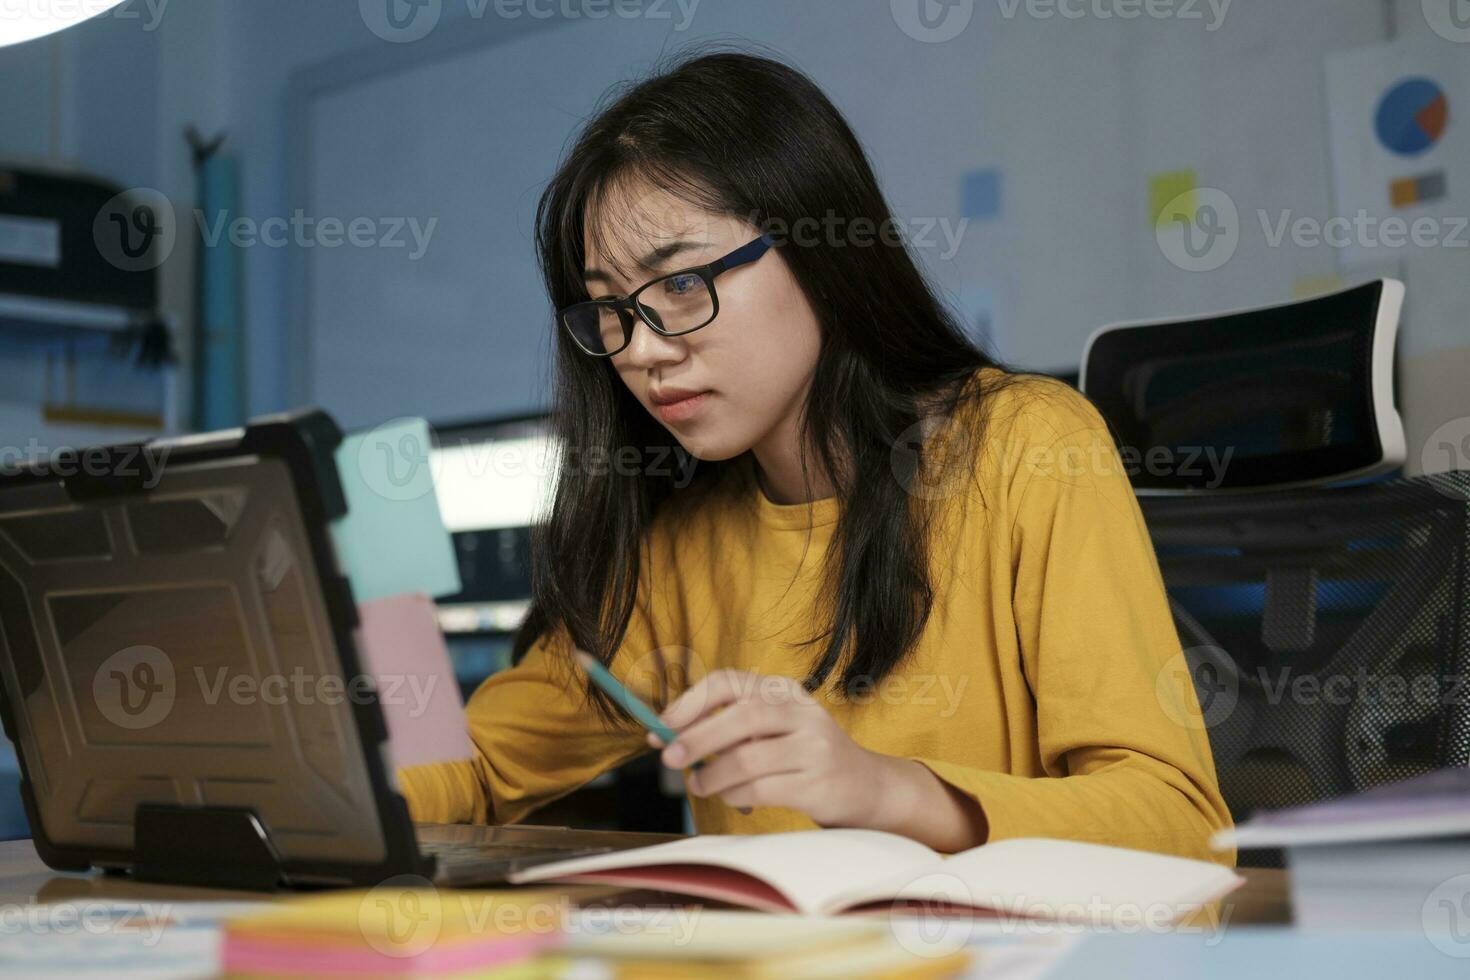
1120	731
536	735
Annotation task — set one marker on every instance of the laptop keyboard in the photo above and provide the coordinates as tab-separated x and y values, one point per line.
460	858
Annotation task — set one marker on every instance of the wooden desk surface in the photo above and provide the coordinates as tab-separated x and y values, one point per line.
24	878
1264	899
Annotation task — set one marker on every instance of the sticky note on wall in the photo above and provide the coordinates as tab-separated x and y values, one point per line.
1309	287
980	194
392	539
1171	196
403	650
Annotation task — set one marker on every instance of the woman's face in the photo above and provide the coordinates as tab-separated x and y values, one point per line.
751	366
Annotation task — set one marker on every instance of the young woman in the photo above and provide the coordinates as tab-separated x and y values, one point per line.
870	578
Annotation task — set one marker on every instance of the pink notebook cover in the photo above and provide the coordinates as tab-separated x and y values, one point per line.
403	648
248	954
698	881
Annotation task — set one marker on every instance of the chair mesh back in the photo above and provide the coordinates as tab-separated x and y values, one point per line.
1326	633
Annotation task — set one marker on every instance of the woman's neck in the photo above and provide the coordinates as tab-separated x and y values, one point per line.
786	485
778	465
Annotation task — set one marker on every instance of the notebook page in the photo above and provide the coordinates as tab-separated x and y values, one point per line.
1063	880
807	866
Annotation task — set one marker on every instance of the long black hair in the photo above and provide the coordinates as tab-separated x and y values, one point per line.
733	133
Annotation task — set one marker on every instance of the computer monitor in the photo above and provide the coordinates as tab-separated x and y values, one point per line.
493	474
494	479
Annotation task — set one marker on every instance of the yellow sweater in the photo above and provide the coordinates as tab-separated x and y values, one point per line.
1048	685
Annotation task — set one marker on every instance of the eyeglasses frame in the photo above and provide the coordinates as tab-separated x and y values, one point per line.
744	255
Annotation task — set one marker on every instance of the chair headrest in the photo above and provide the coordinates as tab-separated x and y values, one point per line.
1281	396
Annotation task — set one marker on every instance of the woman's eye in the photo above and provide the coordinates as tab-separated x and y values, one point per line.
679	285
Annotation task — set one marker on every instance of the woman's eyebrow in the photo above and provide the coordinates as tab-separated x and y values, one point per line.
653	260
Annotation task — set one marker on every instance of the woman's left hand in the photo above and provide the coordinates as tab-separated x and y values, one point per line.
774	745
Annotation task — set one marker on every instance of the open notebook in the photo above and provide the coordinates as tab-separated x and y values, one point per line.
831	871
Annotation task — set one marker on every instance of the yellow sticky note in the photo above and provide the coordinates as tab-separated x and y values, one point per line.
1171	196
1310	286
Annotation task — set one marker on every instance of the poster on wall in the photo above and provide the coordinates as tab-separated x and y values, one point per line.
1400	149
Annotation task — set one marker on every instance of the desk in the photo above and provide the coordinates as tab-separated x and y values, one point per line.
25	879
1258	953
1261	905
1253	944
1262	900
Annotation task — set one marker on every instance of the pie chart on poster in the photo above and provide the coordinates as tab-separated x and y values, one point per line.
1413	117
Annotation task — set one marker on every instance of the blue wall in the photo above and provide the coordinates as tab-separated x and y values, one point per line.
1074	113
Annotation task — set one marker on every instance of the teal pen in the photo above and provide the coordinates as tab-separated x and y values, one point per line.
610	685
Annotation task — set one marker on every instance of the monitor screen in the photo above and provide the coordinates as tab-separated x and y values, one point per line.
493	475
494	480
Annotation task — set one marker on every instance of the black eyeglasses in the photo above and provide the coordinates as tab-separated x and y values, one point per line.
672	305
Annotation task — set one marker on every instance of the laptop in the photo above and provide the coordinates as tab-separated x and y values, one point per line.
180	679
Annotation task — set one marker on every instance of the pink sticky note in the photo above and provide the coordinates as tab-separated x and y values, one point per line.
403	649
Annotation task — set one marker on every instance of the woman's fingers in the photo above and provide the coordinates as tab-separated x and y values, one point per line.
761	758
788	789
719	688
761	740
737	723
728	687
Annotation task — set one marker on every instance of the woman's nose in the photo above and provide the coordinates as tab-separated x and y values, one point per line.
646	348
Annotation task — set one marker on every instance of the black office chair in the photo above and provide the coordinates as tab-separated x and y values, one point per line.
1326	627
1327	633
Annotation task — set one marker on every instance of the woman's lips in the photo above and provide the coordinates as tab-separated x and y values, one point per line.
683	410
